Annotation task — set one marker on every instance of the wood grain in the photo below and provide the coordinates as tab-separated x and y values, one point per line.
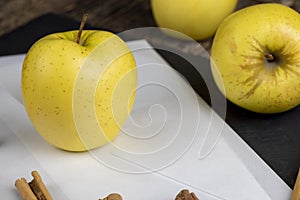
114	15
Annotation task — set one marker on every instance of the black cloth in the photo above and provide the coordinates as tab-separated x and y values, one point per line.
275	138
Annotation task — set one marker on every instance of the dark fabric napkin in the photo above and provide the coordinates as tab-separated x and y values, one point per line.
276	138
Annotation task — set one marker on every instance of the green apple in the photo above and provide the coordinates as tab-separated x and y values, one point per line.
50	74
198	19
256	57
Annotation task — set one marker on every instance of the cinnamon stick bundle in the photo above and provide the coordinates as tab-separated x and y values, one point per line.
34	190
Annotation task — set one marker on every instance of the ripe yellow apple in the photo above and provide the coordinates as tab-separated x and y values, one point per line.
50	74
198	19
256	55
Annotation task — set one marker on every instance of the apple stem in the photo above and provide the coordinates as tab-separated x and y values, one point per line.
83	21
269	57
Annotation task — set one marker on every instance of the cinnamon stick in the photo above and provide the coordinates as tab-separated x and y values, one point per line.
186	195
113	196
296	190
24	189
34	190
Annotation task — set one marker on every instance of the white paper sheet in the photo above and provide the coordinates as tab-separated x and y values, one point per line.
155	156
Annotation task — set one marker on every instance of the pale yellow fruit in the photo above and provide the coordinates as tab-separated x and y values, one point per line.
198	19
256	50
50	73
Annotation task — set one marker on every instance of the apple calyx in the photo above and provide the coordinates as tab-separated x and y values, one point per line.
83	21
274	59
270	57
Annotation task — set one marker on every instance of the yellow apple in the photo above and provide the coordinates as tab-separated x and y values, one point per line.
51	75
198	19
256	57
